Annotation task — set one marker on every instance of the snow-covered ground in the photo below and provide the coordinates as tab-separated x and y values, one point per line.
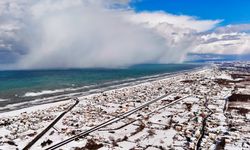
174	121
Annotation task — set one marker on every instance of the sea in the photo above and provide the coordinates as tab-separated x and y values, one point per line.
25	88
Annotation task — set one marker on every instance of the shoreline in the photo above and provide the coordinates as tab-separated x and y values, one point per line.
171	112
67	95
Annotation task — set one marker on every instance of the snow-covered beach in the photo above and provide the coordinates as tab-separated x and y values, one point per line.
36	87
184	111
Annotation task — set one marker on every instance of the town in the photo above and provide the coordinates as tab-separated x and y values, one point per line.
206	108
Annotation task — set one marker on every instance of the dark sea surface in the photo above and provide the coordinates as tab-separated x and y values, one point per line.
25	88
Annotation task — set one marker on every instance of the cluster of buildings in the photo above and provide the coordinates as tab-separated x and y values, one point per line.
197	110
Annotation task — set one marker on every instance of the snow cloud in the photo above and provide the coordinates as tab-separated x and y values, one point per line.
97	33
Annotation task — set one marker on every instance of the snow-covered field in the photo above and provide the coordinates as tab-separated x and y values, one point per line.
173	121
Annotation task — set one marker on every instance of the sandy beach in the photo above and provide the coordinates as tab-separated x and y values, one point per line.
191	110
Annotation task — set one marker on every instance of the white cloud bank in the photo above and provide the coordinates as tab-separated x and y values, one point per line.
97	33
224	43
231	39
198	36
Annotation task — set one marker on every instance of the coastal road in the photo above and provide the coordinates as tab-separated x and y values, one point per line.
29	145
108	122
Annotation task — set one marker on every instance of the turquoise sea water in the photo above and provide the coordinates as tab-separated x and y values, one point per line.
29	85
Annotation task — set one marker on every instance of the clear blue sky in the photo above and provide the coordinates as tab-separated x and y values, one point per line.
231	11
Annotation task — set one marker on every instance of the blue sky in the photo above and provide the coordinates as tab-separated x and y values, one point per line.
230	11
